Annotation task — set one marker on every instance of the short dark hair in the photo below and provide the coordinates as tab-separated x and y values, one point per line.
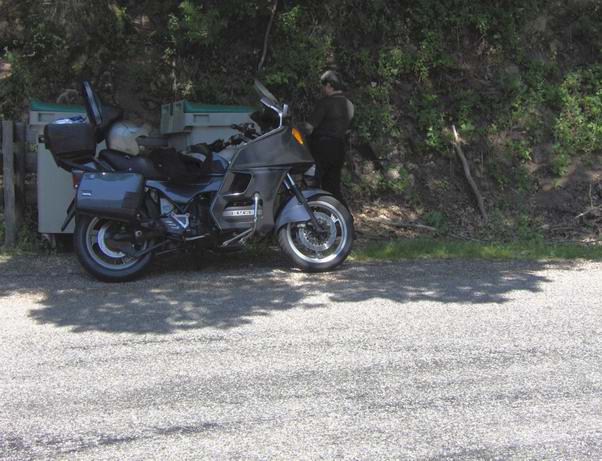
330	76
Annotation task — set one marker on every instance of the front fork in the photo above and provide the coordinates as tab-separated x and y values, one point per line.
290	184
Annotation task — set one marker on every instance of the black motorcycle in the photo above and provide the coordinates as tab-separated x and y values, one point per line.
128	209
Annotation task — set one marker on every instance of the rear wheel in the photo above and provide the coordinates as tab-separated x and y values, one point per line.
321	250
105	249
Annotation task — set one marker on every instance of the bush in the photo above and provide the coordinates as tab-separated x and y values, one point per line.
438	220
396	180
431	120
578	129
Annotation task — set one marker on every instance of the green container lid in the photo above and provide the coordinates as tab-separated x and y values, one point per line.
196	108
189	108
40	106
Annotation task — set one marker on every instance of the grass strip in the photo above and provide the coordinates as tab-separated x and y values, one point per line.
426	248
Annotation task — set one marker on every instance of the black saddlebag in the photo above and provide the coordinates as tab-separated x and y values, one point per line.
71	143
182	168
110	195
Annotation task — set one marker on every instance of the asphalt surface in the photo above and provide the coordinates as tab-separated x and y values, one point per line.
249	359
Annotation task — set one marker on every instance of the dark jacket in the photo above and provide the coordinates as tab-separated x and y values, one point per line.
331	117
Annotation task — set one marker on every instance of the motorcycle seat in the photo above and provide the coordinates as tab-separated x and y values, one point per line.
218	164
130	163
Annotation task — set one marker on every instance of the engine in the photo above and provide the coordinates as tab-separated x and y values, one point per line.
192	224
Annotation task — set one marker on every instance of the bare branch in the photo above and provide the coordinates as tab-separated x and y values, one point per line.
457	143
596	211
411	225
267	36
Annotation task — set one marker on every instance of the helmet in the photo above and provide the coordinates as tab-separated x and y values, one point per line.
122	137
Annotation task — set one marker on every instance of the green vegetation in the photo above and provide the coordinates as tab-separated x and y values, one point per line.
28	240
424	248
522	83
437	220
209	50
578	129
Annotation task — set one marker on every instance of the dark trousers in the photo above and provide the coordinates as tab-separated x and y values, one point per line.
329	154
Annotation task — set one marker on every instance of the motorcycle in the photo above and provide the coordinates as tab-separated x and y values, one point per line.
130	208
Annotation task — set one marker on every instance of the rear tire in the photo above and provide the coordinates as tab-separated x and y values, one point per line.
312	251
99	254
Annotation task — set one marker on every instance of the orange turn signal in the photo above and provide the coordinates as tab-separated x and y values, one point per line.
297	136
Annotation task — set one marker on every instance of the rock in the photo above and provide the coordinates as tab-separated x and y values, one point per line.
547	185
392	174
5	69
512	69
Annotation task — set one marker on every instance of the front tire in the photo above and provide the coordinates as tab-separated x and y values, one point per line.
104	257
314	251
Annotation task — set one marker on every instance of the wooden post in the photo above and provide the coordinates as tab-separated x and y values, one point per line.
20	152
10	219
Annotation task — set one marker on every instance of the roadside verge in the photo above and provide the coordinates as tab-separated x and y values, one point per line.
428	248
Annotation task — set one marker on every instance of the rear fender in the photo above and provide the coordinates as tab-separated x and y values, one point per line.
294	211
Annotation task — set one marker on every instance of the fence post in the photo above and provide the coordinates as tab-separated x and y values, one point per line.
20	153
10	218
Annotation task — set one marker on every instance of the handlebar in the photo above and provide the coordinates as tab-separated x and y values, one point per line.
247	133
246	129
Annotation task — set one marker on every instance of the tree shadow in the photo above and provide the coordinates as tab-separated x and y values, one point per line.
226	292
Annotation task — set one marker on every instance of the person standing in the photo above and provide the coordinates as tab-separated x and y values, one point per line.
327	127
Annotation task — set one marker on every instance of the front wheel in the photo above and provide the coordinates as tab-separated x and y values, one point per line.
319	250
105	247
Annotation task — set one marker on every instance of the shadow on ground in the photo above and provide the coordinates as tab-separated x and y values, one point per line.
227	292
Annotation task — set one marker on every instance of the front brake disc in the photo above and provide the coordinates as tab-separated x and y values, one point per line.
312	240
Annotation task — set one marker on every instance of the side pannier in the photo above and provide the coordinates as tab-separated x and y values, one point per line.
110	195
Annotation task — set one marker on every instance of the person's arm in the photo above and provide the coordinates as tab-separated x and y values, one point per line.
351	110
316	117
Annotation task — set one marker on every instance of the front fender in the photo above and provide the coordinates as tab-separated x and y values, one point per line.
294	211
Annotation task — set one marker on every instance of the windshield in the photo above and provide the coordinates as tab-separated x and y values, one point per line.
265	93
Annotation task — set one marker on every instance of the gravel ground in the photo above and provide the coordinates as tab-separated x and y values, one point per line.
249	359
